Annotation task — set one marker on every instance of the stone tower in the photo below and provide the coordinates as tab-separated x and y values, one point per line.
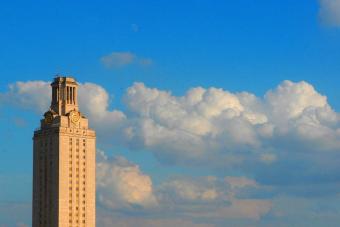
64	162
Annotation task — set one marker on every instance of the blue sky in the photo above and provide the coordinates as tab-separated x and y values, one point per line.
267	151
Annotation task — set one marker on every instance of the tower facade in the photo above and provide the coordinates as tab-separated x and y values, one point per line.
64	162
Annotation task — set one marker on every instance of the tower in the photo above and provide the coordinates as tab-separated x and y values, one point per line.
64	162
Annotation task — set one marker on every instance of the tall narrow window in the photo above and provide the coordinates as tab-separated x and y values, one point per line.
71	88
73	96
68	95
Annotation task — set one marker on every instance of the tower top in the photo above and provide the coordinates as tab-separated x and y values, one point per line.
64	79
64	95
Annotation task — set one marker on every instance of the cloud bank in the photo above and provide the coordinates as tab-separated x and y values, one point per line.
292	125
123	188
260	148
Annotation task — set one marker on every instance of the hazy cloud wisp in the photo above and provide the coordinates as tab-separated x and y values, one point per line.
330	12
122	59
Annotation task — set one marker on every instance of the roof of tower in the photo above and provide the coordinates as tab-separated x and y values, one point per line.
60	79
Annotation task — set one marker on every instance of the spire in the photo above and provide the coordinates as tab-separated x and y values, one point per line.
64	95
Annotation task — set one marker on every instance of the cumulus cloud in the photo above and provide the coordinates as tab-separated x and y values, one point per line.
128	197
121	184
122	187
93	102
122	59
291	125
330	12
287	140
208	123
31	95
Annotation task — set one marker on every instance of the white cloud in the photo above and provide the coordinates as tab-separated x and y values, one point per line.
285	139
207	123
330	12
122	59
93	102
292	125
289	100
32	95
121	184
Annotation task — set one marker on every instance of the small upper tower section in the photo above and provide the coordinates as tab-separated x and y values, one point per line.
64	95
